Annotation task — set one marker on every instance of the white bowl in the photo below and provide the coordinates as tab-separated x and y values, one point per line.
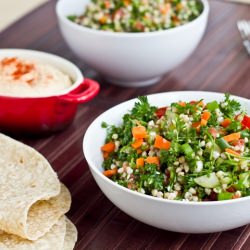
179	216
130	59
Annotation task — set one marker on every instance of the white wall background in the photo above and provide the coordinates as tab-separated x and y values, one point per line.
12	10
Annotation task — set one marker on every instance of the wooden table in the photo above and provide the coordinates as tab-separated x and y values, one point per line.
219	64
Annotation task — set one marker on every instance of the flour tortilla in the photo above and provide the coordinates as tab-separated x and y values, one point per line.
54	239
44	214
71	236
30	203
61	234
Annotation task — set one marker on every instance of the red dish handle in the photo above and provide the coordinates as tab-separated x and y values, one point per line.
90	89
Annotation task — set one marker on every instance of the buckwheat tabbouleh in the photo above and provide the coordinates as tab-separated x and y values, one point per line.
191	151
138	15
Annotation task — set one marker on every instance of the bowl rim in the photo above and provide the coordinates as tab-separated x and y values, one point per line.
34	55
80	28
144	196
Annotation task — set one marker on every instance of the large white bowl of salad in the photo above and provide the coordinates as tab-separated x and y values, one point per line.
179	161
133	42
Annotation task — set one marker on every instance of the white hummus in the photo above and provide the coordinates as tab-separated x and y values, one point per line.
22	78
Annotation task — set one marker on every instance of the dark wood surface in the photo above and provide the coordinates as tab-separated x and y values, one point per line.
220	64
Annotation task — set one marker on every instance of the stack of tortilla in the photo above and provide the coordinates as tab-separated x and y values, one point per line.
33	202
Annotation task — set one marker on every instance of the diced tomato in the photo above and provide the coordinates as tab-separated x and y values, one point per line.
212	197
183	104
197	126
107	4
240	142
118	14
193	102
213	132
139	26
225	123
231	189
246	121
238	117
139	132
160	112
236	196
221	131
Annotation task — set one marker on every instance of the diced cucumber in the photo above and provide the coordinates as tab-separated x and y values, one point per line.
211	106
226	179
225	196
187	150
222	143
207	181
244	179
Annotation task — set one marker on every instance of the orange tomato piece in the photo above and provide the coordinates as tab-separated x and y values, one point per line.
203	122
110	172
139	132
232	152
232	137
161	143
137	143
205	115
140	162
183	104
153	160
108	147
225	123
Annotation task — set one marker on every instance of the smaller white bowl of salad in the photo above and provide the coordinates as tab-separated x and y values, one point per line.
178	161
133	43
